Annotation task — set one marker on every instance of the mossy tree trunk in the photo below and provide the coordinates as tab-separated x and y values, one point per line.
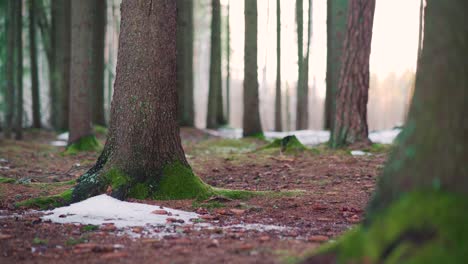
143	155
81	70
36	108
350	121
185	82
215	116
337	11
98	64
418	213
10	77
278	112
251	119
18	126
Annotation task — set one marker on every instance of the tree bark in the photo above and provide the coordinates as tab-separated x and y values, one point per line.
300	60
228	63
251	120
185	82
433	147
337	11
278	112
19	70
81	70
36	108
10	75
98	64
143	146
215	103
350	122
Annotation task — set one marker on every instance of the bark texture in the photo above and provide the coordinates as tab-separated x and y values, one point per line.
10	77
143	139
251	119
278	112
19	70
433	148
228	63
36	108
215	98
81	70
98	64
350	122
337	11
185	82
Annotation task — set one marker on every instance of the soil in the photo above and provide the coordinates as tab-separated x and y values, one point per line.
329	194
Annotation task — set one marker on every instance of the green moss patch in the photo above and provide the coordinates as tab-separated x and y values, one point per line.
288	145
422	227
6	180
100	130
48	202
377	148
87	143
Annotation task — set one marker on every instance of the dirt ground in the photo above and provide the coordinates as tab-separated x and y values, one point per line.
329	191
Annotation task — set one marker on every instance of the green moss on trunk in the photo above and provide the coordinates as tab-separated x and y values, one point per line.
48	202
88	143
422	227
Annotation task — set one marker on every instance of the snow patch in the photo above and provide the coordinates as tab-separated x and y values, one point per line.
360	153
58	143
102	209
63	136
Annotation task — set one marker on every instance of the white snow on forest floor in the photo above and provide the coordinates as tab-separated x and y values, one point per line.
309	137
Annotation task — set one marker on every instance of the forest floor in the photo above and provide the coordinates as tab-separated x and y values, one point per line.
328	192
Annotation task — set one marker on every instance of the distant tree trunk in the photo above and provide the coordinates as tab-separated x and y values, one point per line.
278	112
98	64
143	156
185	82
337	11
300	59
421	28
251	121
19	70
228	63
10	75
36	108
81	70
303	93
350	125
215	105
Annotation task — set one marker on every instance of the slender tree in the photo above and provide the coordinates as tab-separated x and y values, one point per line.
251	120
81	73
185	81
278	112
350	121
154	167
19	70
337	11
300	59
10	77
228	62
36	108
215	102
419	211
98	64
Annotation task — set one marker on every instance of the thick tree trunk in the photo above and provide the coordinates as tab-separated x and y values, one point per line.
98	64
251	121
302	119
337	11
350	122
215	102
81	70
10	75
36	108
278	112
185	83
19	70
433	148
143	155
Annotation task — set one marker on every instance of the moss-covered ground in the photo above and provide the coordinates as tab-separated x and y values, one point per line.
87	143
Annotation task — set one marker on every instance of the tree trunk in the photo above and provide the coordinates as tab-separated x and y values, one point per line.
36	108
350	122
10	75
98	64
337	11
185	82
215	102
81	70
143	155
19	70
303	93
278	112
228	63
251	121
300	60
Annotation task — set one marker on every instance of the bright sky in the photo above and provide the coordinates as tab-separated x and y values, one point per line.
394	43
